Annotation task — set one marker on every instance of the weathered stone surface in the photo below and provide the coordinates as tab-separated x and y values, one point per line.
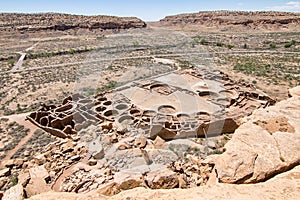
125	159
5	172
293	92
283	186
39	172
108	189
265	145
23	178
18	162
123	146
128	180
161	156
14	193
92	162
8	163
140	142
40	159
162	179
160	143
96	149
3	181
37	184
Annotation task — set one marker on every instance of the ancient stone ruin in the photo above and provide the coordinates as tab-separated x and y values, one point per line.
181	104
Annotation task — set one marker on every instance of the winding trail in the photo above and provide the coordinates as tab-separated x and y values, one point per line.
18	64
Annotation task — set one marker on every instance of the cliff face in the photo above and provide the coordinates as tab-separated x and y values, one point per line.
247	20
62	22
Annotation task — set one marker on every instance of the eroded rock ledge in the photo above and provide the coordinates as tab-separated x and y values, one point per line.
63	22
265	145
237	19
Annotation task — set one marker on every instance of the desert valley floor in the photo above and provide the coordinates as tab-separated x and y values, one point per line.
115	108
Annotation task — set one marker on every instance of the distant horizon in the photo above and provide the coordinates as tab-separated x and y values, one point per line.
296	12
146	10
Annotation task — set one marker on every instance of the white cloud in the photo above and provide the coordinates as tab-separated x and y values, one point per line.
289	6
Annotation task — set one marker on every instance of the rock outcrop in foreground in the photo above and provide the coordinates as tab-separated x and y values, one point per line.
266	145
63	22
283	186
225	20
264	152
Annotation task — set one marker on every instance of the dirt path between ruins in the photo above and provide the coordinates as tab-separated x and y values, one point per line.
20	119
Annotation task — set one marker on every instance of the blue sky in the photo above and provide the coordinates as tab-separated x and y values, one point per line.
148	10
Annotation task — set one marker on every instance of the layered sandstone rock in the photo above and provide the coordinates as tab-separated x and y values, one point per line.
265	145
283	186
245	20
63	22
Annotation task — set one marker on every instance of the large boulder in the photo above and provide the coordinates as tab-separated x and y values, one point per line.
162	178
128	180
265	145
14	193
38	181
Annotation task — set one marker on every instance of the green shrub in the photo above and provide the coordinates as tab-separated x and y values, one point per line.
289	44
230	46
220	44
11	63
203	41
109	86
72	51
217	151
135	43
272	45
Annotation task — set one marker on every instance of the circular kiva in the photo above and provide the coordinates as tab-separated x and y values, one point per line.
204	116
111	113
107	103
100	108
125	119
229	93
121	106
166	109
135	112
101	99
206	94
149	113
161	89
223	101
183	116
